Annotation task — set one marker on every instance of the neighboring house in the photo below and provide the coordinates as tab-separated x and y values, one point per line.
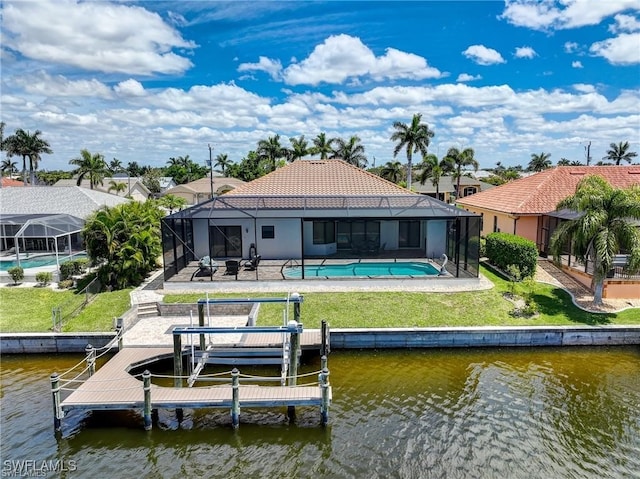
166	183
526	207
200	190
10	182
447	187
134	187
48	218
321	208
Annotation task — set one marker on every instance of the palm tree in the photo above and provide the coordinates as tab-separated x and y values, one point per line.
27	145
116	186
222	160
351	151
271	150
619	152
459	159
539	162
299	148
433	169
92	166
602	230
414	138
564	162
576	163
392	171
115	166
172	202
8	165
322	146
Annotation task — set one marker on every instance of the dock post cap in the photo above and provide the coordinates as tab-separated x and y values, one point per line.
294	295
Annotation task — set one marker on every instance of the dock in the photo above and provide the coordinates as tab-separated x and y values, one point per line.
117	386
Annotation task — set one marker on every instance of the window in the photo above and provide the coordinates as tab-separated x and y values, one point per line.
495	224
268	232
409	234
469	190
324	232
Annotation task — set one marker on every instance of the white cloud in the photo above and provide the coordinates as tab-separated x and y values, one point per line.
131	88
265	64
94	36
563	14
570	47
483	55
525	52
463	77
343	57
577	64
584	88
621	50
625	23
43	84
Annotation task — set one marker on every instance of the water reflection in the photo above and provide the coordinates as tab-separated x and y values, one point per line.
440	413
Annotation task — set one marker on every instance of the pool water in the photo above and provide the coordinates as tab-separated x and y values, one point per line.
38	261
363	270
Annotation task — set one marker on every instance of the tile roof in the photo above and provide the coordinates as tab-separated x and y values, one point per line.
69	200
203	185
320	178
540	193
10	182
447	184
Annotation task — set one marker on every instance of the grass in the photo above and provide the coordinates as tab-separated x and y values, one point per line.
29	309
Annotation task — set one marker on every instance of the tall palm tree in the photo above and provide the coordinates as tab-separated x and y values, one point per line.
116	186
603	228
222	160
299	148
459	159
8	165
351	151
413	138
27	145
271	150
539	162
115	166
618	153
322	146
392	171
91	166
433	169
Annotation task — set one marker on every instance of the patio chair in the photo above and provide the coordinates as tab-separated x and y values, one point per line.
206	267
252	264
232	267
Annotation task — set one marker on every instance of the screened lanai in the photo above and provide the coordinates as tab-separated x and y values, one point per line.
302	227
57	234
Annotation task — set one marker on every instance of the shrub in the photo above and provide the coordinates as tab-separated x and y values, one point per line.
483	247
504	249
514	276
65	284
73	268
16	273
44	277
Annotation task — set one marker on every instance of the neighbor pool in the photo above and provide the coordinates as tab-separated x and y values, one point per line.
37	261
363	270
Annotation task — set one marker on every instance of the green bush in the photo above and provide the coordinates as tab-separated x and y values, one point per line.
504	249
73	268
483	247
65	284
16	273
44	277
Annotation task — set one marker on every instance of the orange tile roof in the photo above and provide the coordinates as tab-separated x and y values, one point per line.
540	193
319	178
5	182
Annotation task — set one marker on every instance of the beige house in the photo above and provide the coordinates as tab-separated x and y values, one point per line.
527	207
200	190
447	187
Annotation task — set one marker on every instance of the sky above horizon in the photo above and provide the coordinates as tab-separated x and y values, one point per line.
149	80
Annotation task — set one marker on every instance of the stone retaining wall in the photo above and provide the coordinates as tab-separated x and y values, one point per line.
183	309
20	343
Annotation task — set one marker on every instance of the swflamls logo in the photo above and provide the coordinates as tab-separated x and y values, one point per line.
35	468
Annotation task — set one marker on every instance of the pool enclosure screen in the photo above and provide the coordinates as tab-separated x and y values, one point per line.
299	228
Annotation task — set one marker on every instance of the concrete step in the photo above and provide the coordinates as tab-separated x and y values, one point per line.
147	310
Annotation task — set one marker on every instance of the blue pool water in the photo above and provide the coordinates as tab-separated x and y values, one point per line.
37	261
362	270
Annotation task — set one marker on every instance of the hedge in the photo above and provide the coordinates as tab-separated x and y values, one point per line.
504	250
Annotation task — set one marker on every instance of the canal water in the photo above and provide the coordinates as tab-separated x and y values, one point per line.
472	413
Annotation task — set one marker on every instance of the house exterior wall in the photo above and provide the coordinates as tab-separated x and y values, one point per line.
527	227
436	238
286	242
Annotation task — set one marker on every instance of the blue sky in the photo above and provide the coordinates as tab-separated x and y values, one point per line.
145	81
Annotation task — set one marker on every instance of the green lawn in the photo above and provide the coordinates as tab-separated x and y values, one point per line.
29	309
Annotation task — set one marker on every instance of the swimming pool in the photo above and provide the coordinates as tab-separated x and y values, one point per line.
38	261
363	270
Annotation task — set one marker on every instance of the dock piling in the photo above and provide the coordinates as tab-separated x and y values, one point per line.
177	361
58	414
146	381
235	398
203	344
91	359
120	332
323	380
